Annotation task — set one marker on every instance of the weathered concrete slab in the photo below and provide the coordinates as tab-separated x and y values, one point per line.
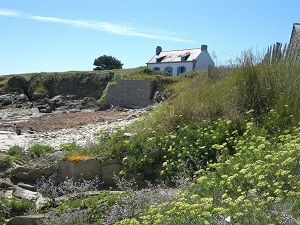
133	94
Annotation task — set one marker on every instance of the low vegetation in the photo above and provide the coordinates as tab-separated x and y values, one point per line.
227	150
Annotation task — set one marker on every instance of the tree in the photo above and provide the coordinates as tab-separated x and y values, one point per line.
105	62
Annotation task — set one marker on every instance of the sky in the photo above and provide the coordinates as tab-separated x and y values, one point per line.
68	35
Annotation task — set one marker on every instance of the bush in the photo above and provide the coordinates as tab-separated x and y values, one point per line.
6	160
21	206
39	149
18	83
81	84
15	150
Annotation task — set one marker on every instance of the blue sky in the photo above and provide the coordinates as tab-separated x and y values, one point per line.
64	35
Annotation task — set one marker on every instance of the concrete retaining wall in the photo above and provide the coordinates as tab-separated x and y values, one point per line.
130	93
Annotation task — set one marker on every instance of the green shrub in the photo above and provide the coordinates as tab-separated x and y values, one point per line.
15	150
72	149
6	160
18	83
39	149
258	184
79	83
20	206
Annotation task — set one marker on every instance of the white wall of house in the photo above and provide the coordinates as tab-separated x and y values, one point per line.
203	61
163	66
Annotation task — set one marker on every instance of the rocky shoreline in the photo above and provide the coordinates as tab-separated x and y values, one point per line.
83	134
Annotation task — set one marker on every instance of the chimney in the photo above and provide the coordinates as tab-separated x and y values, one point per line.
158	50
203	47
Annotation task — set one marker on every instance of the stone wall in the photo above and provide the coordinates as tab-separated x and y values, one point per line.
130	93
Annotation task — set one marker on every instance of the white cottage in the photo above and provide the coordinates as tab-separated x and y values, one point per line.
180	61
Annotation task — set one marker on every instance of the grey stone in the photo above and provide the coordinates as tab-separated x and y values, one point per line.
19	105
26	220
21	98
32	174
6	99
104	105
27	186
87	169
37	96
23	193
108	170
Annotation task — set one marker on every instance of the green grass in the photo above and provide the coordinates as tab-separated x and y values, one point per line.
15	150
39	149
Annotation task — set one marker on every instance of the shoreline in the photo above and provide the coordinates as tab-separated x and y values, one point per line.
59	128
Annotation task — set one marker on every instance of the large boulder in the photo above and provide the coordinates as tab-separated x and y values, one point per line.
28	220
88	168
25	194
6	99
21	98
36	96
104	105
30	174
45	108
79	167
108	170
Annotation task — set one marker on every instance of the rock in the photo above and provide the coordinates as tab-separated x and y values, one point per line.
127	135
18	130
37	96
8	194
30	105
19	105
60	104
104	105
6	99
23	193
90	105
108	170
3	164
26	220
86	168
30	130
155	97
41	202
57	98
27	186
32	174
44	108
52	105
21	98
4	184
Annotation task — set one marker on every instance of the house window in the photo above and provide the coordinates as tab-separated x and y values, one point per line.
184	58
181	69
160	59
169	69
156	68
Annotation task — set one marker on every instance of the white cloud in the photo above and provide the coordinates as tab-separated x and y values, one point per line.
11	13
118	29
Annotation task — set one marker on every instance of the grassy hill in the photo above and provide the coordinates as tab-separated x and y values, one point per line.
76	83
